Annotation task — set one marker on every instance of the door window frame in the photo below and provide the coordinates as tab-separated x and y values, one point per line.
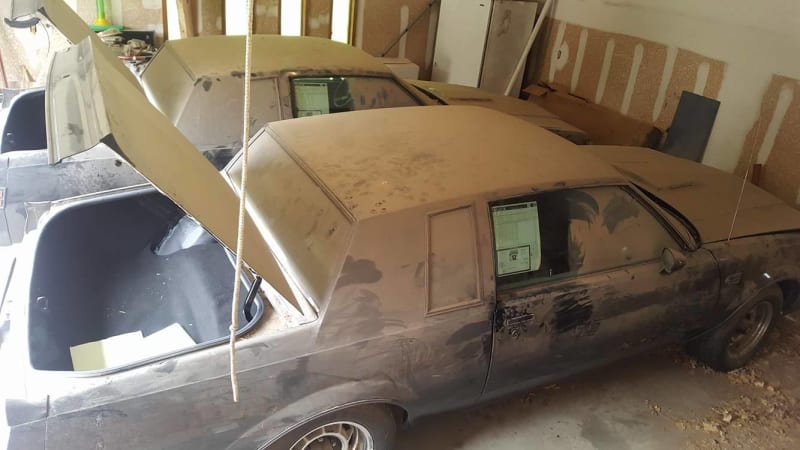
286	87
677	238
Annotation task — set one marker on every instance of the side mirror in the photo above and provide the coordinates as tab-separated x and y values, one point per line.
671	260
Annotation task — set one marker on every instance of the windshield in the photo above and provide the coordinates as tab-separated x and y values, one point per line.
313	96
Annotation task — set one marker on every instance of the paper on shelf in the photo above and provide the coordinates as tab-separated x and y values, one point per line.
108	352
129	347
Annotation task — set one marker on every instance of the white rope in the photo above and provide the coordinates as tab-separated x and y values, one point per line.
744	180
248	48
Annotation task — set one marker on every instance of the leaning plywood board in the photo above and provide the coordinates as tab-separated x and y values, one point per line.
510	26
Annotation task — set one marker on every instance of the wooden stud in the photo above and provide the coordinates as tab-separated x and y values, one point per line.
351	27
164	22
186	18
757	172
3	72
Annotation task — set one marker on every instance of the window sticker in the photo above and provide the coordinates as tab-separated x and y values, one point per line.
311	98
517	239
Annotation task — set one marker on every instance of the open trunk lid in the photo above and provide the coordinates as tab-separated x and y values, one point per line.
90	101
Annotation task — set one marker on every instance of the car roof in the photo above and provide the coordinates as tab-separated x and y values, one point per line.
381	161
224	55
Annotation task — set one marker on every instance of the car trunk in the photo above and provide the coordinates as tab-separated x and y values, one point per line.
125	263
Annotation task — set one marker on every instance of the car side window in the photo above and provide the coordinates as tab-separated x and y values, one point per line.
570	232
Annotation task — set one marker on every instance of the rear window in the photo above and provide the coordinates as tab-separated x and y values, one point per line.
306	228
313	96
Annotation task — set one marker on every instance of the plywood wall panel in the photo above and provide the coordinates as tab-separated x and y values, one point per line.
211	18
593	56
684	78
267	17
563	55
638	96
619	69
317	18
651	71
774	140
381	24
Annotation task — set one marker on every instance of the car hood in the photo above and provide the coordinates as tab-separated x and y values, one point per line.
89	102
454	94
706	196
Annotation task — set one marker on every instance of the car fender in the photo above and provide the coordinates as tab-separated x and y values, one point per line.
334	398
748	267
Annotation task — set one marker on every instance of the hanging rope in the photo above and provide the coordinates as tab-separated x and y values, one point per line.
744	180
248	48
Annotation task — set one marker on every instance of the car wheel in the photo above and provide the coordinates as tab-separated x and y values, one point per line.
733	345
368	427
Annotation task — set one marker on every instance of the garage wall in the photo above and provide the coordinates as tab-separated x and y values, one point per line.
376	23
134	14
636	56
379	22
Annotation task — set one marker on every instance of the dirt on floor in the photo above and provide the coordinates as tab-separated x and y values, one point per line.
664	400
766	413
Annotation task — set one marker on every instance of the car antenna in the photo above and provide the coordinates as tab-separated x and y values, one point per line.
744	180
248	63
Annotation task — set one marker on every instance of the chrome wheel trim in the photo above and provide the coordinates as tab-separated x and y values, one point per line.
342	435
750	329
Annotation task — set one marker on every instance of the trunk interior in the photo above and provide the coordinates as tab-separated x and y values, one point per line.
120	264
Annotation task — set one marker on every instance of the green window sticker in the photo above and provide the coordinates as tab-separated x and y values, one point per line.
516	237
311	98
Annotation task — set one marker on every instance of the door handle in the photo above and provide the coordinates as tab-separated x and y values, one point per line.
516	320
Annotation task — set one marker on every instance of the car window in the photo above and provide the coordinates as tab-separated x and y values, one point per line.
452	259
212	114
314	96
570	232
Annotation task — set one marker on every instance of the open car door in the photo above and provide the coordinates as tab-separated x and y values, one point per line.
90	101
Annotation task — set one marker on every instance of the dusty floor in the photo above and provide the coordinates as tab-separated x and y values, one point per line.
659	401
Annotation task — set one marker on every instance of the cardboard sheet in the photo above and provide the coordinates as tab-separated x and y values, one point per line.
129	347
108	352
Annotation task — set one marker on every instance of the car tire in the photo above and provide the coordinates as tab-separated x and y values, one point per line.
732	345
378	421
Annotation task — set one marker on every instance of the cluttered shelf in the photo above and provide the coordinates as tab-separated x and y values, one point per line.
135	47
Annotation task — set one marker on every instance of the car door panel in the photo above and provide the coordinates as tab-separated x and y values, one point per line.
553	326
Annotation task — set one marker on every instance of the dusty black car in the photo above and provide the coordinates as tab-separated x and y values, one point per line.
401	262
197	84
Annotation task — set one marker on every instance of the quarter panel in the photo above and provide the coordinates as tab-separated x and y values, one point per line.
749	265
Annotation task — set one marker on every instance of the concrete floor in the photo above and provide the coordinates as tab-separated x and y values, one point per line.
664	400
